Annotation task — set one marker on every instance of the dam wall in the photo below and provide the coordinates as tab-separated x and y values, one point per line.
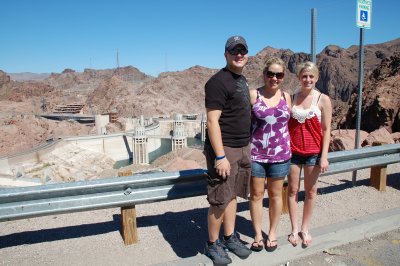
118	146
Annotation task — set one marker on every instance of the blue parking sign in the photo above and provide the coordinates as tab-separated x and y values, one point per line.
364	15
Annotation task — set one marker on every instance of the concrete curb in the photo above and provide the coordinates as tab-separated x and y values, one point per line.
323	238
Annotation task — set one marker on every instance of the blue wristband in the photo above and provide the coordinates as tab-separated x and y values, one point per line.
219	157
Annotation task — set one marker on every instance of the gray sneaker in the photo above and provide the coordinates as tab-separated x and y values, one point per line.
217	254
234	245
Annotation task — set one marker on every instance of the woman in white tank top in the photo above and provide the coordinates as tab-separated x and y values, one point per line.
309	128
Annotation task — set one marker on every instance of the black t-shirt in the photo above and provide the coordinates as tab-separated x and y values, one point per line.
229	92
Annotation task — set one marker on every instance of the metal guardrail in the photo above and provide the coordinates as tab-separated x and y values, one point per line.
49	143
25	202
350	160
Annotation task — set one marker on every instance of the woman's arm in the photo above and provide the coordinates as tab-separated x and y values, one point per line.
253	96
326	118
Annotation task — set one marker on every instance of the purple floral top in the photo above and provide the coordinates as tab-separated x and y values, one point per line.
270	140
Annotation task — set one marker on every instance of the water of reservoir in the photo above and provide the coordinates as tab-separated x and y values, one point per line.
166	147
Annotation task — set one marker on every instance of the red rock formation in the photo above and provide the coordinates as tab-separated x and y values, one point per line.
378	137
345	139
381	98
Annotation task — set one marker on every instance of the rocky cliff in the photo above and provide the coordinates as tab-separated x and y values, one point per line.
380	99
131	93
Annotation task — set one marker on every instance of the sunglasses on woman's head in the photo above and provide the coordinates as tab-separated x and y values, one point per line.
278	75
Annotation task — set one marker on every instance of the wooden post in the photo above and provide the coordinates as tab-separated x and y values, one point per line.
378	173
129	226
128	218
285	207
126	172
378	177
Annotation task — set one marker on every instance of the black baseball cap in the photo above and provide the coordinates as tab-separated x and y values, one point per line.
233	41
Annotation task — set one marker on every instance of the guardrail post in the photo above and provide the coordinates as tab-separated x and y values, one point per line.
378	173
129	225
285	207
378	177
128	218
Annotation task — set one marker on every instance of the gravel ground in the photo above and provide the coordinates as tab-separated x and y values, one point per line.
173	229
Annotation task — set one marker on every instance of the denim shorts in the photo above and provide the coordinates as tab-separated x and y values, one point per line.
271	170
309	160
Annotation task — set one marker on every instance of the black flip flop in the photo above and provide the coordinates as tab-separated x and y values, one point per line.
273	248
258	247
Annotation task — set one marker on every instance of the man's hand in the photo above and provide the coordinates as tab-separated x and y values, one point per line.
223	167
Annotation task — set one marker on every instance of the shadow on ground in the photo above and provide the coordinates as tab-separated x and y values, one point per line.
55	234
393	180
185	231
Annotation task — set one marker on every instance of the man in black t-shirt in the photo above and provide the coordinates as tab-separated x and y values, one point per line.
227	150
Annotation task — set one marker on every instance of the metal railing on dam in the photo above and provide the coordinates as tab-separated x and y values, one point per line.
127	191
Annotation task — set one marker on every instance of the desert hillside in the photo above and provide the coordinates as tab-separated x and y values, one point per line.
131	93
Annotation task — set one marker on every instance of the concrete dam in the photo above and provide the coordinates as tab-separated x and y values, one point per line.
138	145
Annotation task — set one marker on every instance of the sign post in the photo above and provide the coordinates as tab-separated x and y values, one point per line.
364	14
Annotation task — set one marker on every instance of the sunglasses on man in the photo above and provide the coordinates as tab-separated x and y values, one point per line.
278	75
238	50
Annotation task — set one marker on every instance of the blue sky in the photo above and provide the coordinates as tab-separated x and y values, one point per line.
44	36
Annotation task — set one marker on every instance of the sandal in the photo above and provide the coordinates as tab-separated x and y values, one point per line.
306	238
271	248
257	246
292	238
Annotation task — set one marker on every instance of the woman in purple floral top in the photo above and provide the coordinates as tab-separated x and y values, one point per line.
270	150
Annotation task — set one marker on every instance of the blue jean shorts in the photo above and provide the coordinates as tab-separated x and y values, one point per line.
309	160
271	170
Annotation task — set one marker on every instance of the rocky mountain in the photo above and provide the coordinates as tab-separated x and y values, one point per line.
132	93
380	99
171	93
338	71
28	76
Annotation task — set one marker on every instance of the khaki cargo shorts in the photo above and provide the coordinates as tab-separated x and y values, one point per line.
220	191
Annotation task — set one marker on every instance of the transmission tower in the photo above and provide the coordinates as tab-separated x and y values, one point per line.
166	62
117	63
44	105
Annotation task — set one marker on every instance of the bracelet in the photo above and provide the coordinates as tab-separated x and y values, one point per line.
220	157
